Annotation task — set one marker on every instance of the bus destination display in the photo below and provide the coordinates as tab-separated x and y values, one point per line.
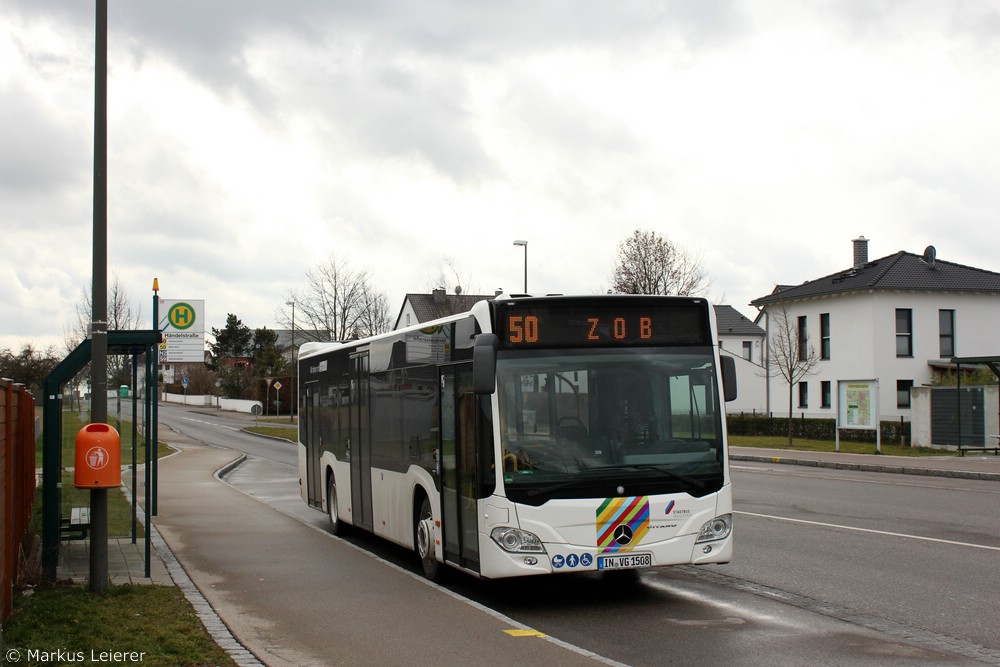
602	324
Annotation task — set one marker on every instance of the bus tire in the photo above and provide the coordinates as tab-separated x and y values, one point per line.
337	527
423	541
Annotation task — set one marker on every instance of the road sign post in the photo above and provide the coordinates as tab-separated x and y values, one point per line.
267	396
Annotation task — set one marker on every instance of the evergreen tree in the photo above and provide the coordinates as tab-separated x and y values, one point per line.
231	357
232	342
267	358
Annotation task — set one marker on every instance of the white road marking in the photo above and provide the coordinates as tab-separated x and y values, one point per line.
924	483
208	423
869	530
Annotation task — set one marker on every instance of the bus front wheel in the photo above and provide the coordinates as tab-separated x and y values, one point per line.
423	539
337	527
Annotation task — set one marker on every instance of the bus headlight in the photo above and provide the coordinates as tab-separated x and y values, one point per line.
517	541
716	529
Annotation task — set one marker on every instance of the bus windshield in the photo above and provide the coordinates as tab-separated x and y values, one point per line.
609	422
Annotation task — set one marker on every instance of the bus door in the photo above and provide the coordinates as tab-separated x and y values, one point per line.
360	444
459	515
309	433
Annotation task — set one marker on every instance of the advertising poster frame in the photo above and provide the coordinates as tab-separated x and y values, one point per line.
858	408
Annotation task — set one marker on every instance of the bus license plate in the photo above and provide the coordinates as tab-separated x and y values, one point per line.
624	562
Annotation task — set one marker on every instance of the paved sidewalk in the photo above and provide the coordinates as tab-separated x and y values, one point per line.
986	467
126	560
126	563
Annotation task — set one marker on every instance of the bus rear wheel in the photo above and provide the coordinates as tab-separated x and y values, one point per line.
423	540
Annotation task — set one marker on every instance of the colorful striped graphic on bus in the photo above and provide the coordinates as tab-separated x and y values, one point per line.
622	523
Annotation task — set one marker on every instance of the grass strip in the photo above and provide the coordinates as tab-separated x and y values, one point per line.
846	447
148	625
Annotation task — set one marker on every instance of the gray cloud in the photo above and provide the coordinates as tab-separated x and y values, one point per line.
41	156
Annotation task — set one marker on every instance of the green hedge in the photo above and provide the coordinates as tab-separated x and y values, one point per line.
813	429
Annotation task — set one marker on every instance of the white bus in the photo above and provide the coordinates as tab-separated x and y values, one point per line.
530	435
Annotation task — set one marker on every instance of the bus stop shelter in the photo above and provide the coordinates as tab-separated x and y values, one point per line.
993	363
132	343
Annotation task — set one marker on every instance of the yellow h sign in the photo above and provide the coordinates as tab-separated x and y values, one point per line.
181	316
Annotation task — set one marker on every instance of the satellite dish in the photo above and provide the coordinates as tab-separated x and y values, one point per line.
458	289
930	254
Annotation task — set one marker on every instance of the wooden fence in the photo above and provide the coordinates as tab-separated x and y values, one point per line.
17	469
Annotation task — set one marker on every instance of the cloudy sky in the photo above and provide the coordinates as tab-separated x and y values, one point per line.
250	140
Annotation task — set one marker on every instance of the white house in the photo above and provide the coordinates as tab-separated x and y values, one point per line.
419	308
898	319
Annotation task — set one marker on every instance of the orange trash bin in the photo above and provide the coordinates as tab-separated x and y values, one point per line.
98	458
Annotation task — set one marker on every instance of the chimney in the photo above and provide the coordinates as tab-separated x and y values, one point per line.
860	252
438	295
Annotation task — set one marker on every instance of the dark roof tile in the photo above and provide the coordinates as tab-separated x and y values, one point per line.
426	308
731	322
901	271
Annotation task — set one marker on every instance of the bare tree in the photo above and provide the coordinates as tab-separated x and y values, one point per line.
648	263
449	278
123	315
336	303
30	366
374	318
789	354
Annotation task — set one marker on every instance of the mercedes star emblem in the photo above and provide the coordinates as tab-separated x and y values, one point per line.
623	535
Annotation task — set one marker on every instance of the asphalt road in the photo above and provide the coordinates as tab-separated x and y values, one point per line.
921	552
832	568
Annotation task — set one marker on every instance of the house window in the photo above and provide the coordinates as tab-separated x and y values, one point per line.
946	324
824	390
803	395
824	335
903	388
904	332
803	338
748	350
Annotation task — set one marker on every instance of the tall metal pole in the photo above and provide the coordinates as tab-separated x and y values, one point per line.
99	325
524	244
154	423
525	268
135	440
151	351
294	404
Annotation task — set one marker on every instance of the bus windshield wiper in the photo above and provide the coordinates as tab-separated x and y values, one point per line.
697	483
595	473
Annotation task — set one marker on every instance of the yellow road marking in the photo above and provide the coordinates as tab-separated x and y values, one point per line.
524	633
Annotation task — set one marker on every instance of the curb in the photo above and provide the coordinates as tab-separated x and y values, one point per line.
870	467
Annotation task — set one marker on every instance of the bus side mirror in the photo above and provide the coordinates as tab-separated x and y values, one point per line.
484	364
728	377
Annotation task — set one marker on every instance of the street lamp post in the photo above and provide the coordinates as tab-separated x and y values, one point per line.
294	404
522	242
